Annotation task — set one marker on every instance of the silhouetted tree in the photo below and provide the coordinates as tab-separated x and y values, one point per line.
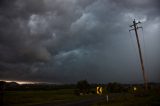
2	87
83	87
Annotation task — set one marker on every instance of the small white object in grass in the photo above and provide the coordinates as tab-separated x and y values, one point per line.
107	98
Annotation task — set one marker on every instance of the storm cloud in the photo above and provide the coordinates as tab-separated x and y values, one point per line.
69	40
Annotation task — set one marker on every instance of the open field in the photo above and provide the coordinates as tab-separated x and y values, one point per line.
26	98
29	98
67	95
126	99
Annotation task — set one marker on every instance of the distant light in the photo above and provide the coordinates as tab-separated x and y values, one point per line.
134	88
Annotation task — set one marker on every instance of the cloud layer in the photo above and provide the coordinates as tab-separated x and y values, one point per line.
70	40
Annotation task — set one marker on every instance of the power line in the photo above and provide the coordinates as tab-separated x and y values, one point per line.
135	27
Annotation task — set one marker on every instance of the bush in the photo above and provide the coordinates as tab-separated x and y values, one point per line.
83	87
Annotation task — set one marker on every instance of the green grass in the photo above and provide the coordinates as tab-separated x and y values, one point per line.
25	98
130	100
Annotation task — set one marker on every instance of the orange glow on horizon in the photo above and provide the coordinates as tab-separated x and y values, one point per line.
20	82
29	82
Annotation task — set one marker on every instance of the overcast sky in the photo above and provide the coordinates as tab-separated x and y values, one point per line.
63	41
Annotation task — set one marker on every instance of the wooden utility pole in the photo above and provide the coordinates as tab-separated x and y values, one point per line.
135	27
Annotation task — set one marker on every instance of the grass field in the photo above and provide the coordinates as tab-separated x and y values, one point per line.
26	98
127	99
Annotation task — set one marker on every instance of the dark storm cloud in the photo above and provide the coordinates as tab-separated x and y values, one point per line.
70	40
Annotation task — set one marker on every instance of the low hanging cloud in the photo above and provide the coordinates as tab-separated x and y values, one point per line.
70	40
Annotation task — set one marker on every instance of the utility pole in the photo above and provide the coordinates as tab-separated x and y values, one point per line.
135	27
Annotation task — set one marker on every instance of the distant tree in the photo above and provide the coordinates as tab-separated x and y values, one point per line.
115	87
2	87
83	87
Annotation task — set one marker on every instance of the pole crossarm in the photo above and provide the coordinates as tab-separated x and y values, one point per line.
135	27
131	30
